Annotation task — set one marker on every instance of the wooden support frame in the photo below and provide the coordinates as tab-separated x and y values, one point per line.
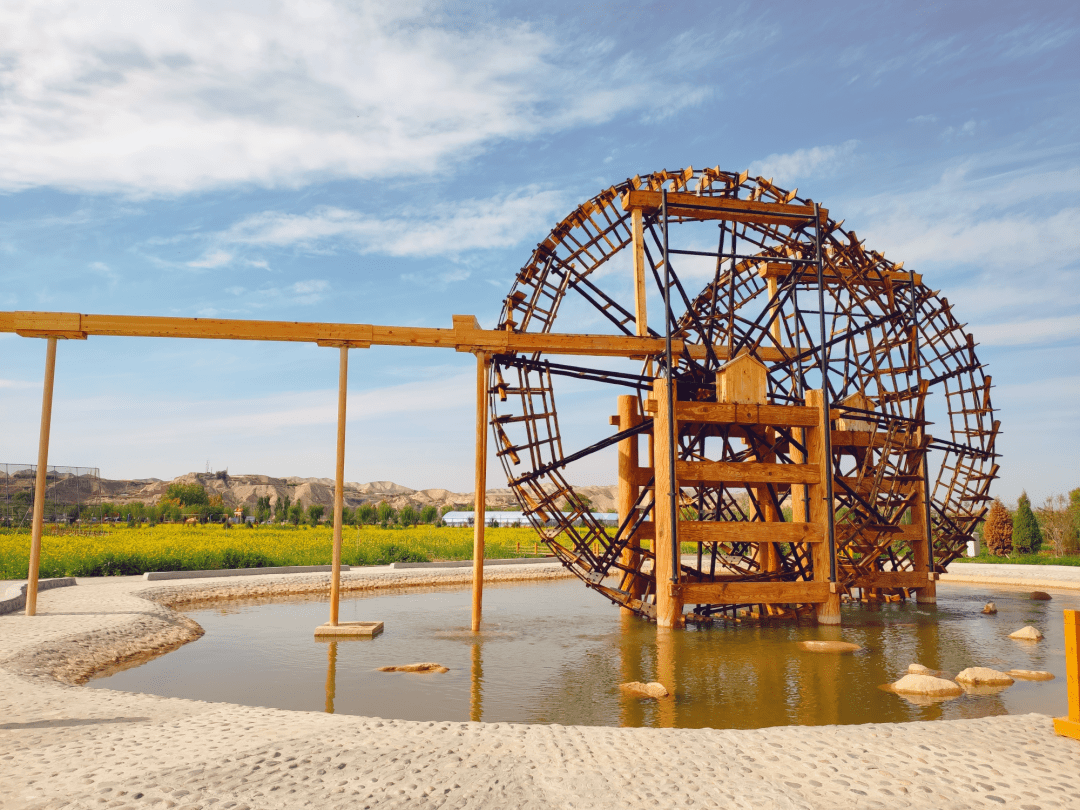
41	481
1069	726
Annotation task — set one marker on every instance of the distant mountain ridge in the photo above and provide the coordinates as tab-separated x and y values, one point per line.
247	489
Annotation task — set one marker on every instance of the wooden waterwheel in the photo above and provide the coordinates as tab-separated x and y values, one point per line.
804	350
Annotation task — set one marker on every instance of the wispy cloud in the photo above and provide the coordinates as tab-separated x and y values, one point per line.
802	163
159	99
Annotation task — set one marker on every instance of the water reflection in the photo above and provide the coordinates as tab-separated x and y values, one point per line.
553	653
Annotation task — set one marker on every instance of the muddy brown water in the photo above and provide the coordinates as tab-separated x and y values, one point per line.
555	652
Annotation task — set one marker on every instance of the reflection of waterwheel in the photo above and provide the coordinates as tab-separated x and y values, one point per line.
892	357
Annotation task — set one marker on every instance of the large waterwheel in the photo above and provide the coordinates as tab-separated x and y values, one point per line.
803	345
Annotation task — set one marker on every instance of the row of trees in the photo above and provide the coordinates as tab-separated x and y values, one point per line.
1055	525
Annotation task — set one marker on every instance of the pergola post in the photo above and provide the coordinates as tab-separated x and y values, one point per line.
339	483
482	362
41	481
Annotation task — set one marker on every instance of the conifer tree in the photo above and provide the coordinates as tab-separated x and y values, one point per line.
998	530
1027	537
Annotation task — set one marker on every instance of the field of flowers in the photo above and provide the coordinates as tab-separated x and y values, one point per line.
121	550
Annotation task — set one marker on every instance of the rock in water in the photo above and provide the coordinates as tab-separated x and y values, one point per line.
1031	674
828	646
425	667
645	690
983	676
1040	596
919	669
1028	633
989	608
926	685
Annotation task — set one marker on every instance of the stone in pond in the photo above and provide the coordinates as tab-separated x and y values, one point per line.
1040	596
425	667
1028	633
983	676
1031	674
645	690
828	646
926	685
989	608
919	669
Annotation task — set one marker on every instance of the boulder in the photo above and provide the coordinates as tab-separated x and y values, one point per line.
425	667
1031	674
989	608
828	646
1040	596
1028	633
645	690
926	685
983	676
919	669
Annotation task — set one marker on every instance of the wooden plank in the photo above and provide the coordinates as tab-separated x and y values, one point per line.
893	579
704	473
776	270
728	413
691	206
767	593
669	606
703	531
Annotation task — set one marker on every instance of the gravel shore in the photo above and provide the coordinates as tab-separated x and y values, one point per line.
62	745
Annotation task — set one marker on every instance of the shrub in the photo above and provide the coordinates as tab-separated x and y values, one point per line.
998	531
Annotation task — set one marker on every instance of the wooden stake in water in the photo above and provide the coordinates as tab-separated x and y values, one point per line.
39	487
481	489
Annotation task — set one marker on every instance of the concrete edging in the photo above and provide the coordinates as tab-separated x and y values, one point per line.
154	576
469	563
15	598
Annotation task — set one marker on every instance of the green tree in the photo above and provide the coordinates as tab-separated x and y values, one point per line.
296	514
408	516
384	512
1026	536
429	514
187	494
365	513
262	509
315	512
281	513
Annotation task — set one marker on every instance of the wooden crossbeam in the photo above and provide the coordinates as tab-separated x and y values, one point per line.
706	473
729	413
777	270
752	593
702	531
894	579
691	206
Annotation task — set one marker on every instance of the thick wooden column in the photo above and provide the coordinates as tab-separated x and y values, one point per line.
42	480
669	604
1070	726
637	232
821	512
628	489
921	549
339	483
481	489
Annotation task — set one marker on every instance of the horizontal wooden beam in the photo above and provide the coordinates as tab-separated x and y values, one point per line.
704	473
751	593
893	579
721	413
745	531
782	269
691	206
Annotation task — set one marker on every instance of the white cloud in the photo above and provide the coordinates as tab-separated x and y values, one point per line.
212	259
444	229
1023	333
817	160
166	98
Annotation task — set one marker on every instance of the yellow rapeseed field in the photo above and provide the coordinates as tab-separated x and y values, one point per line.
119	550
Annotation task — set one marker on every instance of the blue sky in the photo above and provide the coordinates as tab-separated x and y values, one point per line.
396	163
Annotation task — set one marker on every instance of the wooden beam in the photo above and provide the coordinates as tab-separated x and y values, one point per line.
745	531
729	413
641	318
894	579
1069	726
690	206
821	510
628	489
772	271
669	606
705	473
339	483
753	593
41	482
480	496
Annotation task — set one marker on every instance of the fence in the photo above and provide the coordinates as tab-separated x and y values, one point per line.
67	489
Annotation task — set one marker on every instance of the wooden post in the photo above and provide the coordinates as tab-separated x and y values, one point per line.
669	605
339	483
42	481
922	554
331	676
638	236
481	489
1070	726
476	685
628	490
821	512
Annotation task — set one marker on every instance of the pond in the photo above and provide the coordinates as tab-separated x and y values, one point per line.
555	652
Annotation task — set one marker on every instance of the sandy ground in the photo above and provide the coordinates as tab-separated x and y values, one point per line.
62	745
